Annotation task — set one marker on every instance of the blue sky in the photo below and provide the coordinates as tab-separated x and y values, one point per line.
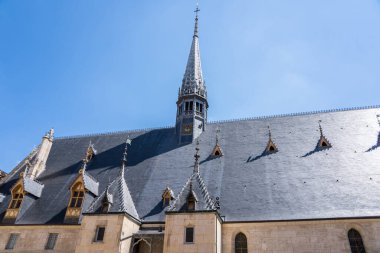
93	66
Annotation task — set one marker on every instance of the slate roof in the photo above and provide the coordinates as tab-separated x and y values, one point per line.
297	182
196	187
118	195
90	183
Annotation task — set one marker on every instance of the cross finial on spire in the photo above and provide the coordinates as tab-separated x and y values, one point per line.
196	20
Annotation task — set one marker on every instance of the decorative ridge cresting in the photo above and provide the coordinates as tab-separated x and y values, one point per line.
359	108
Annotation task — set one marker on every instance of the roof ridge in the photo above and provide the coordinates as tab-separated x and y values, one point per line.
205	191
19	166
172	206
112	132
297	114
358	108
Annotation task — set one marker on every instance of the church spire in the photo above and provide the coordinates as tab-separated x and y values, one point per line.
192	98
193	81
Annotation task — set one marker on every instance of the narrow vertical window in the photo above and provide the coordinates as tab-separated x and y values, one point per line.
356	241
52	239
201	108
241	243
191	105
197	106
12	241
189	235
99	235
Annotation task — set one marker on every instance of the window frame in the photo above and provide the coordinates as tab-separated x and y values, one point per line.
51	241
77	195
354	240
98	228
12	241
17	197
241	249
193	235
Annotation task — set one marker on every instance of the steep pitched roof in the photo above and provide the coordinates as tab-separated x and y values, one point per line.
196	187
297	182
116	194
90	183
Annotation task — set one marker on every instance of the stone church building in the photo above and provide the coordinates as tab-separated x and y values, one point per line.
305	182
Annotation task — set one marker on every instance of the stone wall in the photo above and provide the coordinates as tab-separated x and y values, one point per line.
205	236
118	231
329	236
34	238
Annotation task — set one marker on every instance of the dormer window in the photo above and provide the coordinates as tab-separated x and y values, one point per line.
323	143
271	146
74	208
191	203
217	151
77	195
191	199
105	207
15	204
17	196
167	197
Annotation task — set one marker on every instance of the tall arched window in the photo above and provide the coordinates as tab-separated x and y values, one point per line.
356	241
77	195
241	243
17	196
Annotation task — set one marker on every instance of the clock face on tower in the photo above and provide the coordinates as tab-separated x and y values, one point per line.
187	129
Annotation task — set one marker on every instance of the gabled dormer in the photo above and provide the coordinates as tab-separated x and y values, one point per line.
217	150
116	198
23	194
194	195
82	192
323	142
271	146
167	197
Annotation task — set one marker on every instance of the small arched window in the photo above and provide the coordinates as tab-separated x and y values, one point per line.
356	241
17	196
241	243
77	195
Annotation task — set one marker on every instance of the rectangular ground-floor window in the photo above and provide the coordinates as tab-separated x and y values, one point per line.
52	239
189	235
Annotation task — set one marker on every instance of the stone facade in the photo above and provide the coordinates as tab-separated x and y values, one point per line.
210	236
34	238
327	236
117	237
206	234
